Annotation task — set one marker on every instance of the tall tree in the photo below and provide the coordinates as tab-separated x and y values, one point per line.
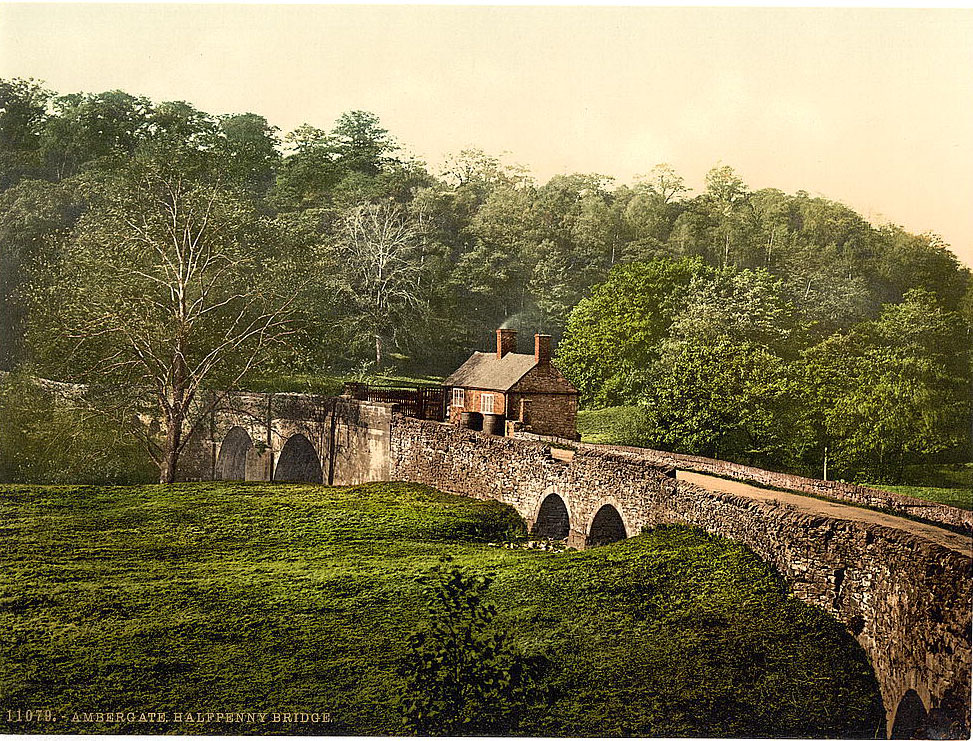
613	335
23	111
380	247
891	391
170	284
362	144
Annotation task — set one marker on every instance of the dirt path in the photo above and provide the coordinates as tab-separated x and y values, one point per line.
954	541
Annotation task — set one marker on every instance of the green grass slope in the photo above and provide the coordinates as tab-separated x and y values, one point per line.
950	483
625	425
262	598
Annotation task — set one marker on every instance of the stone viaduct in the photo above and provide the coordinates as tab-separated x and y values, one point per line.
906	599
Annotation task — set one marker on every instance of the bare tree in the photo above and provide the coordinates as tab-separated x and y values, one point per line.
168	286
380	248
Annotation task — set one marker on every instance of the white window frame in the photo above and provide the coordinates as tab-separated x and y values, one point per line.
459	397
486	408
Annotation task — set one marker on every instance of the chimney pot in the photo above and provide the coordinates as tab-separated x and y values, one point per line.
506	342
542	349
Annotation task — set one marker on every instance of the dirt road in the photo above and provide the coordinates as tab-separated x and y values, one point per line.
954	541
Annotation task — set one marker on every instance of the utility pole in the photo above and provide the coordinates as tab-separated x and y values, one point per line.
825	462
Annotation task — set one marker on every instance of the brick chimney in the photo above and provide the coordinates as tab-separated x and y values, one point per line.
542	349
506	342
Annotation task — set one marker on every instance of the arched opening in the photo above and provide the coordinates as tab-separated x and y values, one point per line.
473	420
607	527
231	464
910	717
553	521
299	461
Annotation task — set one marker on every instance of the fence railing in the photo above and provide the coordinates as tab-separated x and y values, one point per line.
419	402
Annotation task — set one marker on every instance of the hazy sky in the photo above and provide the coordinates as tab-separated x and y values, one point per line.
870	107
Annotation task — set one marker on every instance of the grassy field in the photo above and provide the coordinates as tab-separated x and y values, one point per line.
954	497
612	426
333	385
294	598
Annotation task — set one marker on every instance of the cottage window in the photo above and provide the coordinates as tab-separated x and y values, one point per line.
459	397
486	403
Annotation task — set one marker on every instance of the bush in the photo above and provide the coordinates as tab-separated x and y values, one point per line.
463	674
50	436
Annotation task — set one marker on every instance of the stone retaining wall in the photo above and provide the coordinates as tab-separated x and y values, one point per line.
839	490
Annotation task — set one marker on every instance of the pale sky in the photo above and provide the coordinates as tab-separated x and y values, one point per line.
871	107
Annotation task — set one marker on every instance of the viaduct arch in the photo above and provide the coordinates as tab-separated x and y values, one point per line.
905	598
299	461
231	465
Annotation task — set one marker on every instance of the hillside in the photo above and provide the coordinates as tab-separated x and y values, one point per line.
236	598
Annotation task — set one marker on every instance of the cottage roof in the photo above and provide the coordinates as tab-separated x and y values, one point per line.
484	370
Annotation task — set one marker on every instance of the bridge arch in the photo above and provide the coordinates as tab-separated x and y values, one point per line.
231	465
910	717
299	461
552	520
607	526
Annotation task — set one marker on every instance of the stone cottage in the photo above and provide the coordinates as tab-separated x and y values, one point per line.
506	391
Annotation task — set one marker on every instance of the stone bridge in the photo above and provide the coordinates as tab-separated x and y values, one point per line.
901	588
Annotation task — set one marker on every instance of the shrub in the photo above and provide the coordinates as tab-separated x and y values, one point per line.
463	674
50	436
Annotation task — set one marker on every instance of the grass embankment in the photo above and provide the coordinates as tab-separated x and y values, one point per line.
262	598
326	385
613	426
950	484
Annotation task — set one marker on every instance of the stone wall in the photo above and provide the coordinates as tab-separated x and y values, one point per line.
522	473
906	600
350	438
839	490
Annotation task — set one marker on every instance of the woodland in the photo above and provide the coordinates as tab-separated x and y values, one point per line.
151	250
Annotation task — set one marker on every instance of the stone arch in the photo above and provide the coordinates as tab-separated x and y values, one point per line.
553	521
299	461
606	527
231	465
910	717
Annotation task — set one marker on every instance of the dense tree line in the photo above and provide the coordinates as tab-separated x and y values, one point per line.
748	324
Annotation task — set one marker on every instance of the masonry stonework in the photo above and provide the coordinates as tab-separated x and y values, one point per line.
350	439
843	491
906	600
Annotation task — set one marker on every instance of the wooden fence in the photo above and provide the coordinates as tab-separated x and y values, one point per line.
419	402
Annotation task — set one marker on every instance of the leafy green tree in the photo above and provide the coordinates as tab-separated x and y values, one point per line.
248	145
32	213
922	261
179	124
88	127
496	270
651	211
725	187
890	392
23	111
464	675
170	284
49	434
362	144
737	305
613	335
720	398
